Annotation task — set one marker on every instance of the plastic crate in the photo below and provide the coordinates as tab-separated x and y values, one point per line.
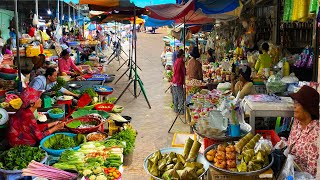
179	139
208	142
269	134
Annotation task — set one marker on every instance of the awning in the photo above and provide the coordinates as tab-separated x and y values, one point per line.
216	6
170	11
151	22
195	17
144	3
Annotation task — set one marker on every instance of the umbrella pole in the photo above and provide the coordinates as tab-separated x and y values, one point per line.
136	78
17	44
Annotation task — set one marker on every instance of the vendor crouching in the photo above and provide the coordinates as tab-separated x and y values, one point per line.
23	127
303	137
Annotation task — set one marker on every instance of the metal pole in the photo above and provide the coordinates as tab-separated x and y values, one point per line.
79	12
69	16
58	13
135	53
315	46
37	9
74	15
62	16
17	43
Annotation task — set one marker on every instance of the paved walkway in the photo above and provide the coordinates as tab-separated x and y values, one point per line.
152	124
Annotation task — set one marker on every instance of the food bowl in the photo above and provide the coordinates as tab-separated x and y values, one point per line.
73	85
55	116
85	119
104	107
8	76
128	118
8	71
56	152
201	159
103	90
102	137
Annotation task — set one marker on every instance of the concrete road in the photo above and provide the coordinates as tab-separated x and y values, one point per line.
152	124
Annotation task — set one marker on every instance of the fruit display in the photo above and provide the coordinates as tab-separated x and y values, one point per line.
242	157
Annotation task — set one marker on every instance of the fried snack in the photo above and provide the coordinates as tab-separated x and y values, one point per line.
221	148
231	156
221	164
230	148
220	155
209	157
231	164
212	152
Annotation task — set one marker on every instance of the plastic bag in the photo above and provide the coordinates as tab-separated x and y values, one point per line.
303	176
35	20
264	145
281	144
288	168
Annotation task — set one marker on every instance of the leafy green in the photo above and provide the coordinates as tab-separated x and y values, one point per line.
129	136
19	157
61	141
60	83
92	93
74	124
56	111
113	143
71	160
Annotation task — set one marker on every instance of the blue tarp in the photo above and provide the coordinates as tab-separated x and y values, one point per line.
216	6
150	22
144	3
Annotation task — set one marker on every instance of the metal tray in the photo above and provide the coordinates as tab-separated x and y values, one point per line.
245	129
251	173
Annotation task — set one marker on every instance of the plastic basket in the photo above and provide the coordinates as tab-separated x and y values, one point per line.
269	134
55	152
208	142
85	130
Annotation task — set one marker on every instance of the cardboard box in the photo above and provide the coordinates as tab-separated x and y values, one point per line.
216	175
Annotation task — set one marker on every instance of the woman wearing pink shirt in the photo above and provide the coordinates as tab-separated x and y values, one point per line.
66	64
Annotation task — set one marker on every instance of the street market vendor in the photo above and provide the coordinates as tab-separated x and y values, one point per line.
244	85
47	81
194	68
264	60
23	127
302	142
65	64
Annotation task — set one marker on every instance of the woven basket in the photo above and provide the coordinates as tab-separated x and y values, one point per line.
85	119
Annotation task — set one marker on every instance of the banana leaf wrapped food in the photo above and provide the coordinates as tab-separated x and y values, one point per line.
187	147
156	157
181	159
242	142
168	167
252	142
170	174
247	155
194	151
154	170
242	167
178	166
162	164
200	171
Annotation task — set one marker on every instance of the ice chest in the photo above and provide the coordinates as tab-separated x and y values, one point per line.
32	51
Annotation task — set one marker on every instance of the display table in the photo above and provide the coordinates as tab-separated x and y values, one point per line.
268	109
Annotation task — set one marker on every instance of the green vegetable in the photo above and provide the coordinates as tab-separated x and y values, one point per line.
111	100
91	92
61	141
60	83
129	136
113	143
89	63
71	159
19	157
74	124
56	111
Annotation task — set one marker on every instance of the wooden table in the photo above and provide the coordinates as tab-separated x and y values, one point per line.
268	109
